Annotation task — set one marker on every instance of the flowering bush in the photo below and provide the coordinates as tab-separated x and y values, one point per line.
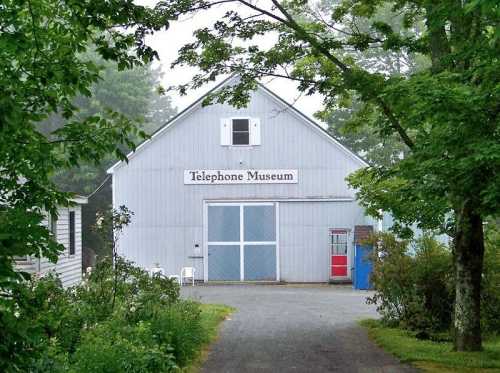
136	295
45	328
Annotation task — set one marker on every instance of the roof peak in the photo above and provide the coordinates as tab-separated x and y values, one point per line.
222	84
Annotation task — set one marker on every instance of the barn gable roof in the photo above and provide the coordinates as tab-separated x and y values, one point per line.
197	104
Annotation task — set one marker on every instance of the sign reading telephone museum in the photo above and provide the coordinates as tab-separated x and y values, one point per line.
240	176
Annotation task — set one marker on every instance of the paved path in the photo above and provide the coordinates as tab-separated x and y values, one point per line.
286	328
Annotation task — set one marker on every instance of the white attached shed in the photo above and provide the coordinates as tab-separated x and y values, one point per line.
252	194
67	227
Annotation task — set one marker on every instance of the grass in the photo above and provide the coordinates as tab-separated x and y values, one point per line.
434	356
212	316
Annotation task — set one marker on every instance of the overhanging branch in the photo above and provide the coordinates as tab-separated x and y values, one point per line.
395	123
346	70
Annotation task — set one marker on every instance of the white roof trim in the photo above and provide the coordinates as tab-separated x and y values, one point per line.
81	200
175	119
314	124
271	94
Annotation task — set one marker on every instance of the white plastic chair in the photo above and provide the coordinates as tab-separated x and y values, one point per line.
187	272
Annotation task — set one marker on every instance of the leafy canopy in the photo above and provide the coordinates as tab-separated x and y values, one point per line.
44	65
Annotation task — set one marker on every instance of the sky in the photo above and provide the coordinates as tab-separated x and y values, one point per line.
167	43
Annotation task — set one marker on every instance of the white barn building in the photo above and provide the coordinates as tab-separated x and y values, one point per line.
248	194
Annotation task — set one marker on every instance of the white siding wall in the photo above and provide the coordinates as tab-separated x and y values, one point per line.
168	218
304	237
69	268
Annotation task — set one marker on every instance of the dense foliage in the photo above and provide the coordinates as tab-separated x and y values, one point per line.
45	66
414	284
109	225
45	328
376	147
490	297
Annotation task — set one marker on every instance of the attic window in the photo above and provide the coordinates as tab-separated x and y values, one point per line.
241	132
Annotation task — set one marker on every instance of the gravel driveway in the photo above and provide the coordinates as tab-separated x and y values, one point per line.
287	328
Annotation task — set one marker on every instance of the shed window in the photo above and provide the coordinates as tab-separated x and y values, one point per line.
241	132
71	233
53	224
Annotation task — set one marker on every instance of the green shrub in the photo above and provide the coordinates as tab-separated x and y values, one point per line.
124	287
412	284
180	327
37	320
433	271
490	296
118	320
115	346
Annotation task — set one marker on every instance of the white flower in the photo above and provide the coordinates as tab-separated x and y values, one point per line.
99	221
17	314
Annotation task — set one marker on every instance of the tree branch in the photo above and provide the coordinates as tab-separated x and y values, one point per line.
263	11
301	33
385	108
395	124
314	43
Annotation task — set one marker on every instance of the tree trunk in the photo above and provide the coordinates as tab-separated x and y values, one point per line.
469	253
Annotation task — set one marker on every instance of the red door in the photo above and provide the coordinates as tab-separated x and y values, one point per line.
338	253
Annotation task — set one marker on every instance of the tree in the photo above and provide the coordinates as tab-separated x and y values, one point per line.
44	68
363	138
446	115
109	226
134	94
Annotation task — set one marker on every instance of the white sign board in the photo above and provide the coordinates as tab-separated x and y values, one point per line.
240	177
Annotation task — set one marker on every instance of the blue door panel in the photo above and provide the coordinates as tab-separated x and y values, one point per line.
363	267
224	262
260	262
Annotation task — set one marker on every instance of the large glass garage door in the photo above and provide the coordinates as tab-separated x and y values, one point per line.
242	242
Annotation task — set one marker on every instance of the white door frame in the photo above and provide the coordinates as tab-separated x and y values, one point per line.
242	242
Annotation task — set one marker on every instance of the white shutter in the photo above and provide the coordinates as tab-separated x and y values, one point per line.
254	131
225	131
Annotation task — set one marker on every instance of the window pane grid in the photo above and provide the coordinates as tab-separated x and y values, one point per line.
241	132
241	138
240	125
224	224
338	242
259	223
254	255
